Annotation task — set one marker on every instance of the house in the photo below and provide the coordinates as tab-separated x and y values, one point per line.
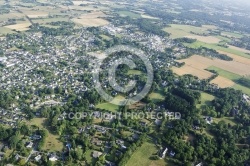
38	158
53	157
208	119
163	154
29	145
96	154
200	164
158	122
172	153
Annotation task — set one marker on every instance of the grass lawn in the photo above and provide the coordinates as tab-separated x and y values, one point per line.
52	142
5	31
105	37
242	88
134	72
141	157
129	14
198	44
206	99
156	96
225	119
88	156
224	73
108	106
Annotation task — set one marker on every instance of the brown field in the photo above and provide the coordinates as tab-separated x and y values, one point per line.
194	70
82	8
200	63
4	17
205	39
239	49
149	17
222	82
34	13
98	55
91	19
237	58
81	2
19	27
96	14
89	22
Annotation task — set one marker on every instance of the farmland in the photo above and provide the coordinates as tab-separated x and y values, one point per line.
224	73
198	44
91	19
129	14
200	63
178	31
192	69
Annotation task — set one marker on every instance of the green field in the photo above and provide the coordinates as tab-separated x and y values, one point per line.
105	37
224	39
49	20
129	14
178	31
233	34
52	142
156	96
198	44
224	73
141	157
225	119
134	72
232	76
108	107
242	88
206	99
5	31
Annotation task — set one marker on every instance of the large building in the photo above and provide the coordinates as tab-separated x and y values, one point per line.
3	59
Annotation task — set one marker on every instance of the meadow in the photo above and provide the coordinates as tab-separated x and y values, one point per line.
52	142
143	154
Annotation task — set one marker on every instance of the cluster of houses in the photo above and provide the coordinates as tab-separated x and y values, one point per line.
11	117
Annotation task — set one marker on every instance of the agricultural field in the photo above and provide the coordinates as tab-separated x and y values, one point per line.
19	27
224	73
44	21
5	31
242	88
198	44
129	14
192	69
178	31
232	34
228	79
222	82
91	19
200	63
199	66
149	17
